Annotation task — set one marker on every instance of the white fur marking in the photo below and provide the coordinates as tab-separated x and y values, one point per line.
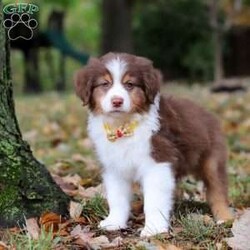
119	196
117	69
158	185
127	160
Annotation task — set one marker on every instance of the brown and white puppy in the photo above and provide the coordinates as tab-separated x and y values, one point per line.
143	137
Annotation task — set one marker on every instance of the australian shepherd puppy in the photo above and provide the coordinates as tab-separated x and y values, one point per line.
141	136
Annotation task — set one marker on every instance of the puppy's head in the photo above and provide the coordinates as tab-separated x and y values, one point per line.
117	84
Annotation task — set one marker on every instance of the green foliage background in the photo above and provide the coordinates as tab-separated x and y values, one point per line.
176	35
82	30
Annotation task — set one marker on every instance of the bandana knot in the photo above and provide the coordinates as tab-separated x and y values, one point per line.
125	130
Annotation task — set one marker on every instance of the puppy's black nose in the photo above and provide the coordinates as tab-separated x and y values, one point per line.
117	102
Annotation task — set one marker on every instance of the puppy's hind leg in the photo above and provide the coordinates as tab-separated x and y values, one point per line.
215	179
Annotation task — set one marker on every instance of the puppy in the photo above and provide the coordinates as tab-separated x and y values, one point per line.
141	136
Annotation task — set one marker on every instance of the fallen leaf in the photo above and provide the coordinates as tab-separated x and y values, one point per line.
170	247
32	228
99	242
66	226
241	232
3	246
91	191
219	246
147	245
74	179
50	221
82	233
31	135
116	242
86	143
163	246
68	188
75	209
59	181
208	219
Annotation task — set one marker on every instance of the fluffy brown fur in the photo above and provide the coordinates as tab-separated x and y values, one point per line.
189	137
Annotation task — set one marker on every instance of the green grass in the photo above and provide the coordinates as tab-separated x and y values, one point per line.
95	209
55	127
200	231
195	228
46	241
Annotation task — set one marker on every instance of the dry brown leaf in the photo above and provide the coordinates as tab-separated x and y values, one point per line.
68	188
59	181
99	242
116	242
89	162
3	246
241	232
219	246
74	179
163	246
155	245
66	227
50	221
86	143
75	209
82	233
51	128
171	247
31	135
91	191
207	219
32	228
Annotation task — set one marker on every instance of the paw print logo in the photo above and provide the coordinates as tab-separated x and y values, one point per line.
20	26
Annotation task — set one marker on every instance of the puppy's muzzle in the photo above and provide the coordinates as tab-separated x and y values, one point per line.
117	102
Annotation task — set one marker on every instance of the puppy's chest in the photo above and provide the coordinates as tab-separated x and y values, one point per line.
127	155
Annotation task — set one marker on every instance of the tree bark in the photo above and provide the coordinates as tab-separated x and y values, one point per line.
217	41
26	187
31	72
32	83
56	24
116	26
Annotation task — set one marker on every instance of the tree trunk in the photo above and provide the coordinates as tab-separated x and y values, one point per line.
116	26
217	41
32	83
31	72
61	80
26	187
56	24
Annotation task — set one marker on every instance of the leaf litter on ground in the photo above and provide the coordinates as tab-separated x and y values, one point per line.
241	232
58	138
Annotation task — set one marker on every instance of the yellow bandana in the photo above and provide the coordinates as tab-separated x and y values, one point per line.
125	130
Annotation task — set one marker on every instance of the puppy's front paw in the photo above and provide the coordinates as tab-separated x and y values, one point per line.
149	231
112	224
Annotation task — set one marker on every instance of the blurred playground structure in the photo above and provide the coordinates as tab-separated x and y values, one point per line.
52	37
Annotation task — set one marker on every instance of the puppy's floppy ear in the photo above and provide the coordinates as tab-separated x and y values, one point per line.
82	85
83	81
152	78
152	84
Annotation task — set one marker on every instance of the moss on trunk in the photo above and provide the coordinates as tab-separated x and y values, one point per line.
26	187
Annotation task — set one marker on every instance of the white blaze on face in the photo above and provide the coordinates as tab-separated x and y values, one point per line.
117	69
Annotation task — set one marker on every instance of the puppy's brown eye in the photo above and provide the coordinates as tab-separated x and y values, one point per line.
129	85
104	84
